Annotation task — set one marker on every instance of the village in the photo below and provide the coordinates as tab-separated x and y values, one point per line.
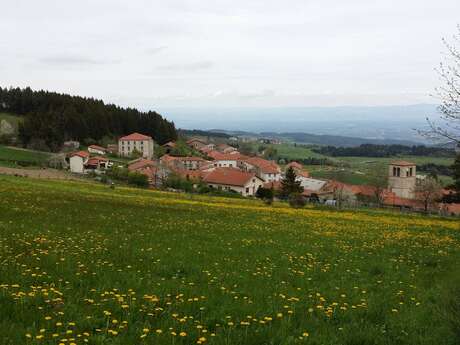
221	167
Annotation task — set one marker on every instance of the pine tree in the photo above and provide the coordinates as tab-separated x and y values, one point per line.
289	185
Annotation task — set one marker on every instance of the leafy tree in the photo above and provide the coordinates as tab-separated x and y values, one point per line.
246	149
289	184
270	153
136	153
177	182
297	200
379	181
266	194
181	149
137	179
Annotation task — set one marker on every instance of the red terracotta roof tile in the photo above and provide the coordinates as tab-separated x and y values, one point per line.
265	166
136	136
228	176
82	154
141	164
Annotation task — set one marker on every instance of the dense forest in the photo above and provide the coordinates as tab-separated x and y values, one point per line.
371	150
50	118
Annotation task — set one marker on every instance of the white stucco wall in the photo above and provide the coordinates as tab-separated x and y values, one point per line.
77	164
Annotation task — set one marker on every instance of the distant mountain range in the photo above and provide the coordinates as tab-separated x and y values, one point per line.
317	139
380	123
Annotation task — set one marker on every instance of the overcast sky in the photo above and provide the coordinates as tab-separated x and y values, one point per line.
154	54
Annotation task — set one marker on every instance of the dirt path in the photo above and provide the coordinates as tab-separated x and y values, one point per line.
39	173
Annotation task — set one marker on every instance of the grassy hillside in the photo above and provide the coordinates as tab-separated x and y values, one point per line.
355	170
82	262
13	157
11	119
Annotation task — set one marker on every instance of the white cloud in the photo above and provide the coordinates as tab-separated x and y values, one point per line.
350	52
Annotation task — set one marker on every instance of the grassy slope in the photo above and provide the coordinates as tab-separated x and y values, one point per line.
248	273
10	154
359	170
11	119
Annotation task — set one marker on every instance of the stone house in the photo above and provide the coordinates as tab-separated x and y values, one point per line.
136	142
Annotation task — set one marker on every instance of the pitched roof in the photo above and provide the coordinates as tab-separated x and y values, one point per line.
294	165
276	185
205	149
303	173
352	188
136	136
402	163
141	164
97	147
218	156
196	139
82	154
265	166
170	144
453	208
190	158
96	160
167	158
313	184
228	176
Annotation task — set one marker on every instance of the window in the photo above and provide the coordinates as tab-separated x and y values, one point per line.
411	172
247	190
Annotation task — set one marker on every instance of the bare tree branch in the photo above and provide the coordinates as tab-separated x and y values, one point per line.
448	125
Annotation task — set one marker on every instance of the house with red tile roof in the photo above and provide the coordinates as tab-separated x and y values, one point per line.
267	170
140	164
136	142
96	149
77	161
169	146
155	173
186	163
97	163
232	179
225	148
295	165
196	143
226	160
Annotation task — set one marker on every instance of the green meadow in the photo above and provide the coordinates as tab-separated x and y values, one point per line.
15	157
84	263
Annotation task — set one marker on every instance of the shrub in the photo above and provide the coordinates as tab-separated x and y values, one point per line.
266	194
297	200
137	179
177	182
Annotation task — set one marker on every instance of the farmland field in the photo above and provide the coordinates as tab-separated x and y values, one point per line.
355	170
83	263
10	156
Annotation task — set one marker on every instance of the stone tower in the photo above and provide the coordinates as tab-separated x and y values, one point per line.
402	179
